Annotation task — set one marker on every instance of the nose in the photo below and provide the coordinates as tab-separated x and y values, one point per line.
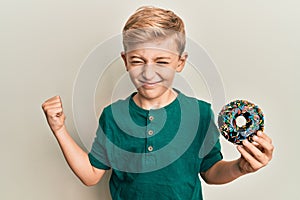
148	72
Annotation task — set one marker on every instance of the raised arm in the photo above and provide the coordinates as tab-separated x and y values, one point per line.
76	158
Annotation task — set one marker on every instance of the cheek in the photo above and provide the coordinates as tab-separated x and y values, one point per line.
134	73
167	73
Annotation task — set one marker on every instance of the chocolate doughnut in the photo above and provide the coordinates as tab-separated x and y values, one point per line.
240	120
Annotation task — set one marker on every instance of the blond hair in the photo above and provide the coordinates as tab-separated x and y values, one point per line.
153	24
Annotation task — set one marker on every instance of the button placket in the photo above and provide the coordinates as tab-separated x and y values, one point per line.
150	132
150	128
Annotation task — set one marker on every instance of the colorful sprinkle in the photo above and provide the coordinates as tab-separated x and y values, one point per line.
254	121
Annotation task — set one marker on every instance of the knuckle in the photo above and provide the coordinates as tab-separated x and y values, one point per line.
270	148
44	105
260	156
258	166
265	163
254	167
270	158
271	141
46	110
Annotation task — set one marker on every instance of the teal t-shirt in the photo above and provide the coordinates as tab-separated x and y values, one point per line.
157	153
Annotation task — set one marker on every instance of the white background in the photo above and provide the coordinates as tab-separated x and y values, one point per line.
255	45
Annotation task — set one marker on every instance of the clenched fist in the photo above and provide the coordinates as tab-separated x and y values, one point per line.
54	113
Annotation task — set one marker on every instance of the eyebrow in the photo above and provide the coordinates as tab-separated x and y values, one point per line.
158	58
132	57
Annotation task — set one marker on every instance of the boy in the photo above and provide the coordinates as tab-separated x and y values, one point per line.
157	140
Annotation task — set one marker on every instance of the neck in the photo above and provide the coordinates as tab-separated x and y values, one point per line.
168	97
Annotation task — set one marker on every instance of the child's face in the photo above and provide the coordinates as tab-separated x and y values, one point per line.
152	67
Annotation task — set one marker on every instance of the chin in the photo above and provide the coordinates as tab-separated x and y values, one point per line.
152	93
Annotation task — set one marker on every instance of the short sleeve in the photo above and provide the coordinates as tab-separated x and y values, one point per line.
214	156
211	148
98	154
96	163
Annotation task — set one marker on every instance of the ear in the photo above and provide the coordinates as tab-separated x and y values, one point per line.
123	55
181	62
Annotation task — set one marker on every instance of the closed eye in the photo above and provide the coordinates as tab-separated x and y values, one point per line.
137	62
162	63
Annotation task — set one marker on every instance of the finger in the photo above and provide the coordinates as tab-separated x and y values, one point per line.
256	153
54	112
52	100
52	104
257	145
249	158
49	108
264	135
265	146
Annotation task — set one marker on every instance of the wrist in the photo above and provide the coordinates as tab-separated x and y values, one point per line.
236	169
60	131
239	167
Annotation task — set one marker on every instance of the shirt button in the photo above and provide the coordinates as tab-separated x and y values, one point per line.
150	132
151	118
150	148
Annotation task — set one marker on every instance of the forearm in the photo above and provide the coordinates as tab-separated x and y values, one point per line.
77	159
222	172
